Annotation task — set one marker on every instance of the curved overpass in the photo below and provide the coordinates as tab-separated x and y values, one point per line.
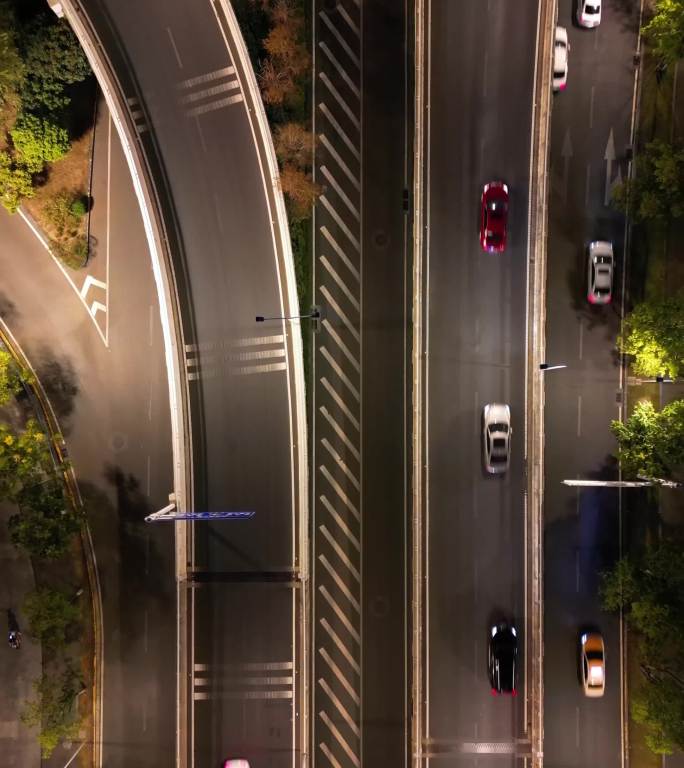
180	86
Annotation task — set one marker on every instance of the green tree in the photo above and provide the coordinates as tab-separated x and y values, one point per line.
654	335
651	593
12	377
665	31
53	59
650	442
25	459
11	64
657	191
46	523
50	614
37	141
16	183
53	709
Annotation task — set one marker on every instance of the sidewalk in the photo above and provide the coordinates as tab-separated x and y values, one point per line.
18	669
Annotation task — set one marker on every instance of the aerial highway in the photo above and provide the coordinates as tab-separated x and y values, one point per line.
479	88
590	134
186	99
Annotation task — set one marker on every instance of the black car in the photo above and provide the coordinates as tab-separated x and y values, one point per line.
503	655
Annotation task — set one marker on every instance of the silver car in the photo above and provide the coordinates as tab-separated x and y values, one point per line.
561	48
588	13
600	277
497	437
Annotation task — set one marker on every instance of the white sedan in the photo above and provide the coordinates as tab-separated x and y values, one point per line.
561	48
496	424
588	13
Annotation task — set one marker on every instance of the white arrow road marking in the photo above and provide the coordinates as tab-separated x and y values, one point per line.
89	281
609	157
97	306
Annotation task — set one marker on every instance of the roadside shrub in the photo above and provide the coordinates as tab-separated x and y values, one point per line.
294	144
50	614
300	190
38	141
46	523
73	252
53	59
16	183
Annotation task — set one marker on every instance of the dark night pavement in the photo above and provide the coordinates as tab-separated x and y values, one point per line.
582	525
112	405
480	91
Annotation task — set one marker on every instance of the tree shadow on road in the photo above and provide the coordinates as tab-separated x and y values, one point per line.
58	377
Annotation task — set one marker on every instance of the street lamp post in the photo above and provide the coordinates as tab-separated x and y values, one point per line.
315	314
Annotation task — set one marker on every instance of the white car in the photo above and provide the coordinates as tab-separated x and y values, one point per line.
588	13
600	277
593	664
496	423
561	47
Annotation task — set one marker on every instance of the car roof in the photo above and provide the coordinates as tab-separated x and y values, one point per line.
601	248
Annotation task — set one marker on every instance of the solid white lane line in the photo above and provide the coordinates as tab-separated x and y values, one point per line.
341	615
340	131
344	589
335	456
340	552
332	304
340	402
340	523
338	250
340	492
340	192
174	48
342	376
349	112
340	69
340	646
340	283
329	208
340	432
579	415
343	43
323	139
345	349
340	708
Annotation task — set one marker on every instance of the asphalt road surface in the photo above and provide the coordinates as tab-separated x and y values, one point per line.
181	82
480	91
112	406
590	133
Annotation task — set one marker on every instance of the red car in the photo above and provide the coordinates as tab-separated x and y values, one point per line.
494	217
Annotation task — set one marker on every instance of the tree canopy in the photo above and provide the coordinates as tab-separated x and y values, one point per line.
651	593
654	336
650	442
656	191
665	31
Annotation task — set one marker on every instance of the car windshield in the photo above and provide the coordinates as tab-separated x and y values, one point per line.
499	427
594	655
496	209
499	442
592	9
559	73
